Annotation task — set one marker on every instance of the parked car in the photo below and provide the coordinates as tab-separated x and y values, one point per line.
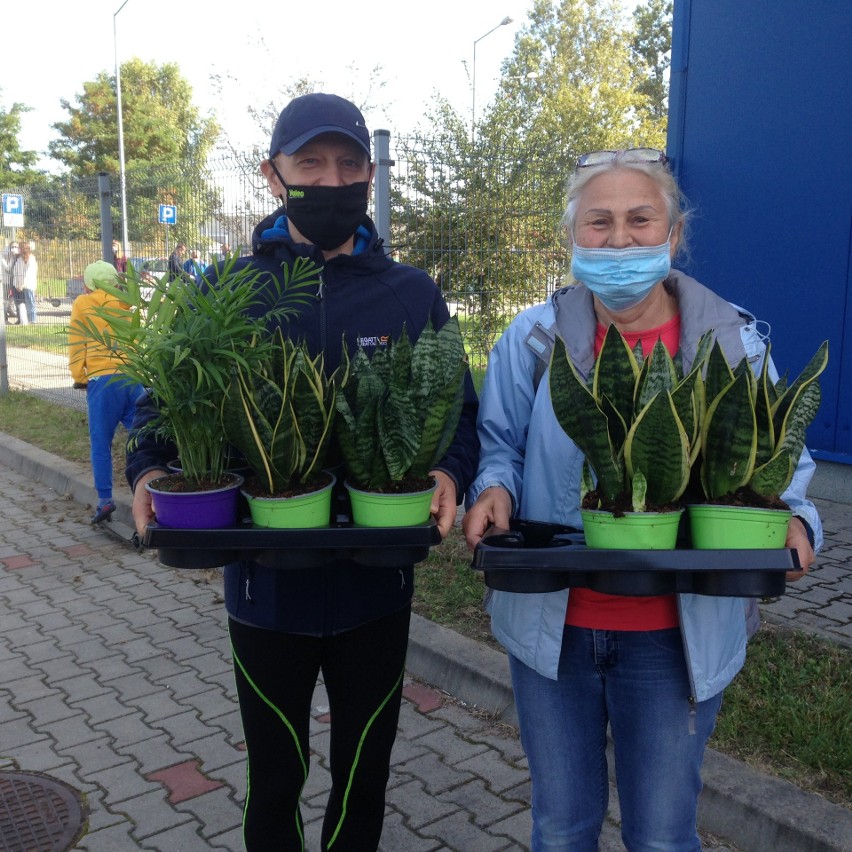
151	267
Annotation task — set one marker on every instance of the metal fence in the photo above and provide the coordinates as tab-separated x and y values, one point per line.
486	229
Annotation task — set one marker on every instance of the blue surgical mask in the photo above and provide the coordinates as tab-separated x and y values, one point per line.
621	278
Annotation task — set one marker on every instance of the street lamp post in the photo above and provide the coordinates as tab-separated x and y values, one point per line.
122	177
507	20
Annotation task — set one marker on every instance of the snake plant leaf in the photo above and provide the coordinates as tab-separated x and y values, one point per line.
615	373
583	420
688	399
657	445
587	480
639	492
398	431
799	416
771	479
659	374
789	396
718	375
763	400
729	439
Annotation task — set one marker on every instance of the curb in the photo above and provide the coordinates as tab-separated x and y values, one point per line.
750	808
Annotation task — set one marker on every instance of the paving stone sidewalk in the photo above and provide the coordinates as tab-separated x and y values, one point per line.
116	680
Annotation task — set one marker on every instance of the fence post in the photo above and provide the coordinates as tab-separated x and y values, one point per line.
105	195
381	189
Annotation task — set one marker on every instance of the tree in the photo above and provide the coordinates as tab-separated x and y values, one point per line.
571	85
163	132
17	167
160	123
651	48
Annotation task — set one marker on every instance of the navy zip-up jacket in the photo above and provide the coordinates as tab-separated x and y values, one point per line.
364	299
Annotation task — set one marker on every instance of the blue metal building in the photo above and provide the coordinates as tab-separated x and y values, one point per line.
760	133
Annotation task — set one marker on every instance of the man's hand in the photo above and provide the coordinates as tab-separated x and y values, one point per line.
797	539
143	506
444	502
492	508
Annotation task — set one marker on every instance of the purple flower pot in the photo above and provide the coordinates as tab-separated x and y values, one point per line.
196	510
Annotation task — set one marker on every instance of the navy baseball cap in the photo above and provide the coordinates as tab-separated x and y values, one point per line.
310	115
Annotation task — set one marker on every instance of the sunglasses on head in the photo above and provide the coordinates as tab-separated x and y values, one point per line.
626	155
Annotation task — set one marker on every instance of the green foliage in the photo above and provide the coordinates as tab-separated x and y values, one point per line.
637	426
485	220
162	129
753	430
184	341
160	123
280	415
398	411
17	167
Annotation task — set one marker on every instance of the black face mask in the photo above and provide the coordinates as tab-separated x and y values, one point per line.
326	215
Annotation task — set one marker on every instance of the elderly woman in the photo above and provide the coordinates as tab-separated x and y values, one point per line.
652	668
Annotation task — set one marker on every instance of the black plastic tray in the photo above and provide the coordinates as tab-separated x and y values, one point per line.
537	557
374	546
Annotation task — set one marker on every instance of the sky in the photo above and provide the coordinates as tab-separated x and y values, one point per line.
422	48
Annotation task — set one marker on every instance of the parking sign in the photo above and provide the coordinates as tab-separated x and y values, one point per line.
13	210
168	214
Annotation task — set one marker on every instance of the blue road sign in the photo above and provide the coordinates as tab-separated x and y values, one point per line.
13	203
168	214
13	210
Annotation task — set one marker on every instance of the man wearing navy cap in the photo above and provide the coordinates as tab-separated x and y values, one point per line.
344	619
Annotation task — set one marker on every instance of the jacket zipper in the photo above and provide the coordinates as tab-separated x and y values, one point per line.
691	699
322	317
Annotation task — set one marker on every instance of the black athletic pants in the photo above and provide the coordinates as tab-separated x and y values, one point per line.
276	674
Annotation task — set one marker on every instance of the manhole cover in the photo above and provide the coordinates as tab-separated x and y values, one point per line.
37	813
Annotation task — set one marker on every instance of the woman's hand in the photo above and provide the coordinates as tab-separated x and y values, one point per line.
492	508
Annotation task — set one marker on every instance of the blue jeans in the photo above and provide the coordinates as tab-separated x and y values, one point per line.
637	683
30	302
109	402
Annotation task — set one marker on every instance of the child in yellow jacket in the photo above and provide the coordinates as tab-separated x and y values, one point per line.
110	397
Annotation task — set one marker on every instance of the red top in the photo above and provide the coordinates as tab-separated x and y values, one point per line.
619	612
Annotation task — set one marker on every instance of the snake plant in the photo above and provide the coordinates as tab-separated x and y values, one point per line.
280	414
399	409
753	429
636	423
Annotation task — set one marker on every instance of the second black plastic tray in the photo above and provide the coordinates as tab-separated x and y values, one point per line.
537	557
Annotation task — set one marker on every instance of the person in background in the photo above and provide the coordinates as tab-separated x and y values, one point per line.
192	266
346	620
119	259
10	295
224	254
652	669
24	279
110	398
175	269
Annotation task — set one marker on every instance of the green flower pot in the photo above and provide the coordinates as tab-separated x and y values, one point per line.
737	527
304	511
372	509
631	531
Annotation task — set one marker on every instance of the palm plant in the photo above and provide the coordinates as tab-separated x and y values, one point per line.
184	341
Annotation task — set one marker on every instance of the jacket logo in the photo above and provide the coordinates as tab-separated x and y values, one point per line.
375	340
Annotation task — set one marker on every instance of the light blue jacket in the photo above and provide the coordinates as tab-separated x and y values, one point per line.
525	450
